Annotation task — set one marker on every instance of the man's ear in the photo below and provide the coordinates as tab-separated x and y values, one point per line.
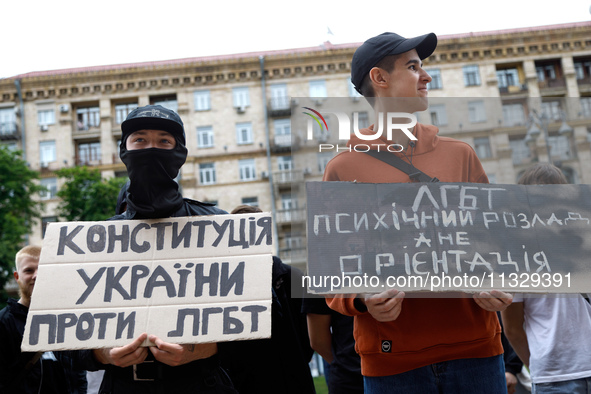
379	77
15	274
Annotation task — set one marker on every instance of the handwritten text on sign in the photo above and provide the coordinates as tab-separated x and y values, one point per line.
186	280
448	237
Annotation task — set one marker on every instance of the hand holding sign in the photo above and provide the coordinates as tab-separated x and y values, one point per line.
124	356
494	300
385	306
174	354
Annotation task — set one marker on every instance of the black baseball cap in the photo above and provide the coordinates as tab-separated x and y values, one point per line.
376	48
153	117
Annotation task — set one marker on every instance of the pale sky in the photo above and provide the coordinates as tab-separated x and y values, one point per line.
47	35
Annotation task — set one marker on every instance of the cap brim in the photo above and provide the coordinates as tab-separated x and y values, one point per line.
425	45
131	125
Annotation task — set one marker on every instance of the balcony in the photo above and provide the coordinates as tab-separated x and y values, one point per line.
282	140
552	83
287	177
279	106
584	84
285	143
9	131
552	86
85	130
513	91
87	162
281	143
89	154
288	216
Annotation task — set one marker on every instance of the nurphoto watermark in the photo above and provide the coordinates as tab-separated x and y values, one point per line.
332	123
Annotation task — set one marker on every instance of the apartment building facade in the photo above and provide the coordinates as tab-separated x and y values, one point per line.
523	95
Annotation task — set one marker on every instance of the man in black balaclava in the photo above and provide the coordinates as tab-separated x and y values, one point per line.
153	150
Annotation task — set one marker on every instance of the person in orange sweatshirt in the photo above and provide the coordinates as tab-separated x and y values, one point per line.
416	345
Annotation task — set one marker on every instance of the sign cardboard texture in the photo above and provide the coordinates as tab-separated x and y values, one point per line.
448	237
186	280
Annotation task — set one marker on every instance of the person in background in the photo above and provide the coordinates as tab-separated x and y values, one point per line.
551	334
331	336
513	365
153	151
26	372
278	365
415	345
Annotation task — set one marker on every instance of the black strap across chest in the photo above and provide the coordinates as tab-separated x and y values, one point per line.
414	173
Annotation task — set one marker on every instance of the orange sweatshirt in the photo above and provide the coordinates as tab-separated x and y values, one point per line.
428	330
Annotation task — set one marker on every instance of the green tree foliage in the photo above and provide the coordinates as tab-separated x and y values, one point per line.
18	209
86	196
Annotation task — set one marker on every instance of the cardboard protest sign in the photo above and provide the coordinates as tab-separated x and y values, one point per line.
185	280
442	237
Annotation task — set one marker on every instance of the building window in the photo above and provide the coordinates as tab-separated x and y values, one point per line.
482	147
287	202
279	97
586	106
7	121
559	147
546	72
169	102
476	112
507	77
362	120
207	173
351	89
45	221
436	82
322	160
551	110
202	100
89	153
252	201
122	110
88	118
241	97
11	146
521	153
46	152
438	115
50	185
244	133
282	127
318	88
513	115
292	242
471	75
45	117
247	170
583	69
205	137
285	163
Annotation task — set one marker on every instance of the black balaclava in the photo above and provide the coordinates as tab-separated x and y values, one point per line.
152	191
